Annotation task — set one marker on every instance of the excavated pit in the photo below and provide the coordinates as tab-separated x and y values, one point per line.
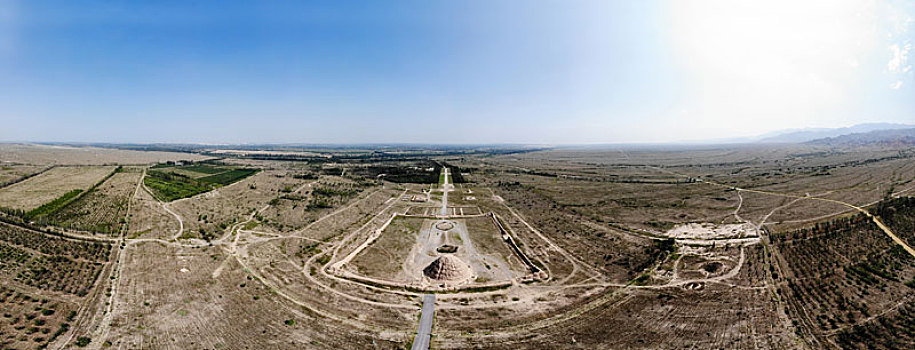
447	248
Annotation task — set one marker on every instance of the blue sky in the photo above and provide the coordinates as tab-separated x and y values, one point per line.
448	72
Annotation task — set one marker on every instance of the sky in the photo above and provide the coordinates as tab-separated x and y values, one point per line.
531	72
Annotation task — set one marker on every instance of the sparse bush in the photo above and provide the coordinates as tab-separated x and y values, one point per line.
83	341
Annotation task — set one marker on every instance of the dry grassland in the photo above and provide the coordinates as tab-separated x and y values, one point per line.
231	311
384	258
64	155
50	185
102	210
148	219
207	215
266	276
13	173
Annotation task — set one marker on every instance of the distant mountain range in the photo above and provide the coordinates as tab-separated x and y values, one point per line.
806	135
811	134
893	137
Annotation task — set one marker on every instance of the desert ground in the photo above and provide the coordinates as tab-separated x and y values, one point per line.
737	247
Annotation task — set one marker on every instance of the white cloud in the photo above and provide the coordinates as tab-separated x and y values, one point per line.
899	58
900	20
896	85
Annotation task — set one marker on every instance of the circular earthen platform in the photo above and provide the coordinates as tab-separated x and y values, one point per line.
444	225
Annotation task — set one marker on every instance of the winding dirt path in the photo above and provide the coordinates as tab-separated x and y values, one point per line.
874	218
167	209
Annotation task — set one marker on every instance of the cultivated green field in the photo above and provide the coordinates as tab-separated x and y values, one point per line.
176	182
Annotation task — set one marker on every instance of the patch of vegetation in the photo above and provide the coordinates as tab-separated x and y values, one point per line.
228	177
54	205
101	209
170	185
329	195
21	319
82	341
891	331
204	169
845	267
51	245
899	214
456	175
307	176
323	260
426	172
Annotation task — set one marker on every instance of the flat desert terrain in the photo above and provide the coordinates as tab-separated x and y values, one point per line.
783	247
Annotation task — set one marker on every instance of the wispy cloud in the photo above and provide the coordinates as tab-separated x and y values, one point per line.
899	58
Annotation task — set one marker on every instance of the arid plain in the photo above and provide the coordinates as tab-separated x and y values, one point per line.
737	247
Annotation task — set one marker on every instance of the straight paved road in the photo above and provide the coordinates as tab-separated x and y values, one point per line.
424	332
444	211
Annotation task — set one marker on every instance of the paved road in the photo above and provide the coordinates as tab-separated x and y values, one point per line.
424	331
444	211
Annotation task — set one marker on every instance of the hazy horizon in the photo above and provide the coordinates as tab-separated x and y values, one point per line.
759	139
512	72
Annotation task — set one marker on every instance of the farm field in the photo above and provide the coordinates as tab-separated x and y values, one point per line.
171	183
10	174
841	274
102	209
46	262
46	280
50	185
33	320
38	154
